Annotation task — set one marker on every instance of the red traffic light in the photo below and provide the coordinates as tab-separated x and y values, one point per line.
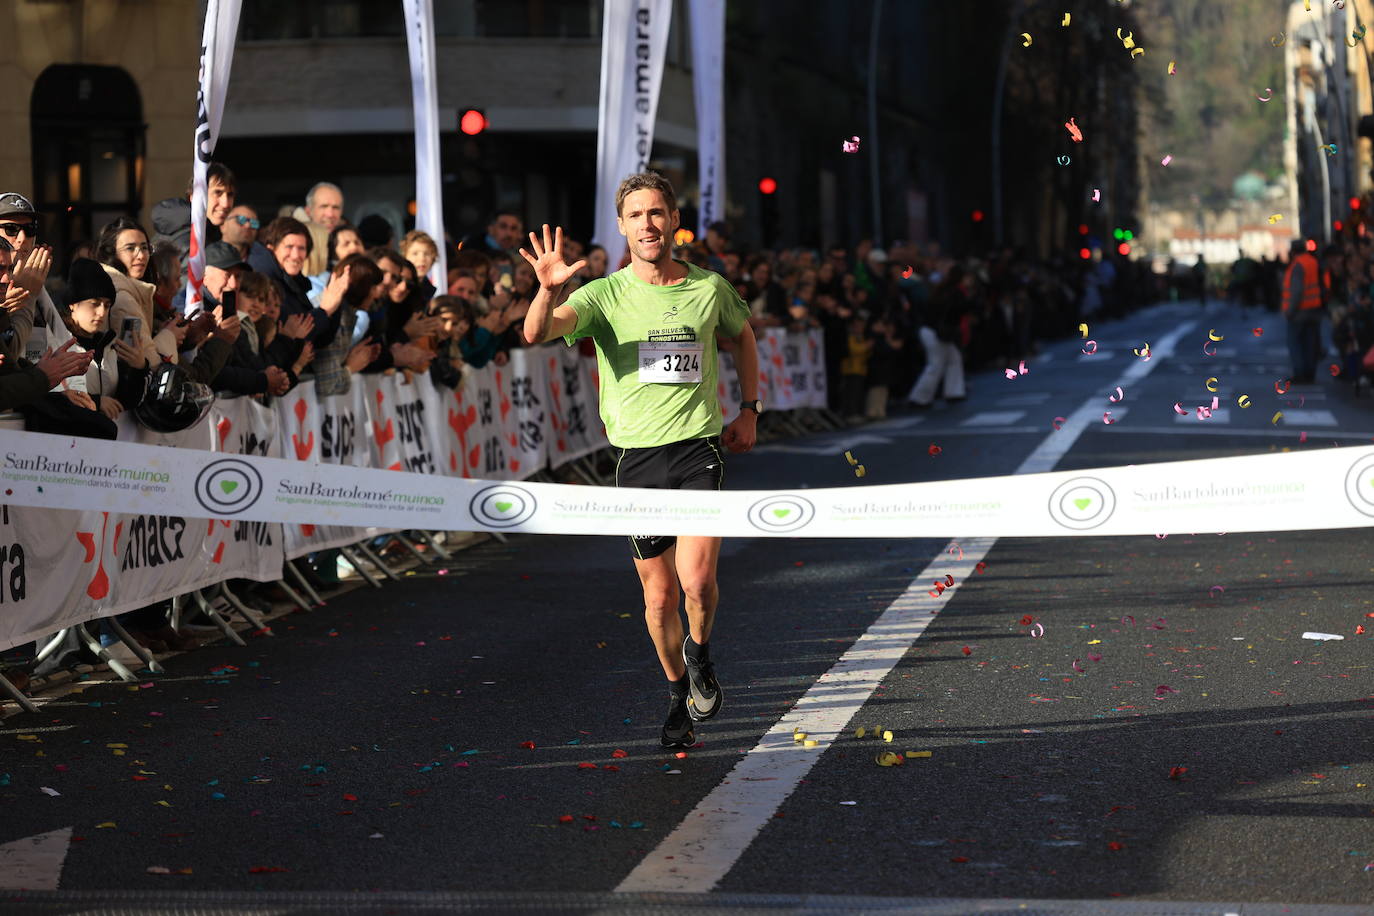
1311	244
1337	225
472	122
1085	254
977	216
1082	228
767	185
1354	203
1123	249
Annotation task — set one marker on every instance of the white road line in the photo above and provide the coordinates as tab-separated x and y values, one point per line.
1279	432
35	863
1298	417
702	849
994	418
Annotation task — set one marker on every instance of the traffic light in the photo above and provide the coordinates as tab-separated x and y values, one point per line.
1085	254
768	210
1082	228
472	121
1118	233
1123	249
977	216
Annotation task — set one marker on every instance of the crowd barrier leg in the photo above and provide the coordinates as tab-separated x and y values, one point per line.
404	542
434	546
304	583
55	643
352	560
144	655
371	556
216	619
17	695
244	610
93	644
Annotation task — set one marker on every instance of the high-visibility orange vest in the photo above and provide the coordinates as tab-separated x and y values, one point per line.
1311	282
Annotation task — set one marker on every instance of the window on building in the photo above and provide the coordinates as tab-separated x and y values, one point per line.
87	133
272	20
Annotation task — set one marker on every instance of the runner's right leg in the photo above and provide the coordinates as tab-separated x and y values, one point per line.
658	576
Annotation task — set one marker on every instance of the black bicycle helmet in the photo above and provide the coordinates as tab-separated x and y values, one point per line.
173	402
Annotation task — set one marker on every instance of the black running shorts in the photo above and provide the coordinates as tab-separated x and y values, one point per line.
692	464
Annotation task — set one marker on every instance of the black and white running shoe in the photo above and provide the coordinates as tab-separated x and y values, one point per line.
704	695
677	730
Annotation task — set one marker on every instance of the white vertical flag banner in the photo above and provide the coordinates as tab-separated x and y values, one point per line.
634	39
424	94
708	77
216	55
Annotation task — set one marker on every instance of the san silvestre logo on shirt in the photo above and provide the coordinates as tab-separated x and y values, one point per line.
685	333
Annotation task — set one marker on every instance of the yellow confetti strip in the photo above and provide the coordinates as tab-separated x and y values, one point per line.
108	825
1027	42
887	736
1278	415
860	732
1212	383
1068	17
888	759
810	742
915	754
1243	400
1213	335
1083	329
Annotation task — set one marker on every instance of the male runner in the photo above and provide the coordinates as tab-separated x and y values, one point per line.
655	325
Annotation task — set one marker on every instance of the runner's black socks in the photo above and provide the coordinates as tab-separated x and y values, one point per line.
678	688
696	652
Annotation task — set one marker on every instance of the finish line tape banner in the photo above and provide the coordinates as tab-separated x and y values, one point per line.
1329	488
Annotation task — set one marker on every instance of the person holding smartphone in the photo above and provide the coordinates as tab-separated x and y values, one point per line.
123	250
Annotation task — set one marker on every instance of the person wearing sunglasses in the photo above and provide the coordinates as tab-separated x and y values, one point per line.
26	266
240	228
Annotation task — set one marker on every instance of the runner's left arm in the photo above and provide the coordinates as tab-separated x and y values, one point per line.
747	362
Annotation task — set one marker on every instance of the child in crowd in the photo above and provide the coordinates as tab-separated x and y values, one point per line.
854	368
447	367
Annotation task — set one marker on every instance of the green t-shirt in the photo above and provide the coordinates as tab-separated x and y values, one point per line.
656	349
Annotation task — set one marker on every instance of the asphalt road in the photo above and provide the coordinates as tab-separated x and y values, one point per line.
379	744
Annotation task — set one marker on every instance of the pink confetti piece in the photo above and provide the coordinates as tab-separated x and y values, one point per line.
1118	397
1022	368
1058	423
1128	616
851	145
1037	630
1097	195
954	547
1302	437
1178	409
1166	160
1011	373
1107	417
1204	413
1078	666
1216	590
1159	624
1094	657
1164	690
1268	94
1205	351
1090	348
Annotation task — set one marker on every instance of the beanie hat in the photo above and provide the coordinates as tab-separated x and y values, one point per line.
88	280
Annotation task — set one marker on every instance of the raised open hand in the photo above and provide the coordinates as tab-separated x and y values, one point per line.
547	259
30	271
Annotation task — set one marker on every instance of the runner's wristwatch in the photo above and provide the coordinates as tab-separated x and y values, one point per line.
755	405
